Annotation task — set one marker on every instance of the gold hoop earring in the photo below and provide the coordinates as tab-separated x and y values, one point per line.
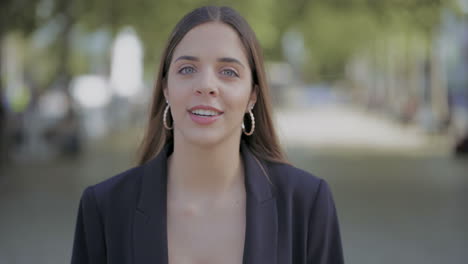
252	128
165	117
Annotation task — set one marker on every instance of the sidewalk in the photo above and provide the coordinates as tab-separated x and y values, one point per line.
345	128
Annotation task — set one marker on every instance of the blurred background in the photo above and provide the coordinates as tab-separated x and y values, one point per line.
370	95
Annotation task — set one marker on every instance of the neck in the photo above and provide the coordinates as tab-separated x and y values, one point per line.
200	171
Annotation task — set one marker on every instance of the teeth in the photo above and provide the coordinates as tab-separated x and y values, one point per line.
204	112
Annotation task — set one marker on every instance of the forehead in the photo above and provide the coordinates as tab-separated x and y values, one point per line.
210	41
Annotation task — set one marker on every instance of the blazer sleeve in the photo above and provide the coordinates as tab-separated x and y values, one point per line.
88	246
324	240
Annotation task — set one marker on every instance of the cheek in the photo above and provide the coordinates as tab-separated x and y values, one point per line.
237	101
178	92
178	101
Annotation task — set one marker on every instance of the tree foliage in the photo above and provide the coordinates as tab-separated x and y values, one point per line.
332	29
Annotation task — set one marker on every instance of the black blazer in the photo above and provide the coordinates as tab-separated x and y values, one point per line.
290	217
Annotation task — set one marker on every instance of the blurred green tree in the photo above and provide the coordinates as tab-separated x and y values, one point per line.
333	30
15	15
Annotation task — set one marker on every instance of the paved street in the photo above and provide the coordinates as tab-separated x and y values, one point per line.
402	205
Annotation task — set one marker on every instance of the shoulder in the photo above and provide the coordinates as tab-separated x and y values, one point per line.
119	189
292	183
292	178
124	180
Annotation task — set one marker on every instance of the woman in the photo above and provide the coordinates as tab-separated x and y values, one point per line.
209	189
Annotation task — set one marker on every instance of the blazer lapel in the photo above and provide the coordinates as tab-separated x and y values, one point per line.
261	216
149	227
150	221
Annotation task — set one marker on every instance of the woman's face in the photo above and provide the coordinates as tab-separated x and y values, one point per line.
209	85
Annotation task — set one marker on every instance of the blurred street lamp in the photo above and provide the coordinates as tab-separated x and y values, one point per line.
91	91
127	64
463	5
294	49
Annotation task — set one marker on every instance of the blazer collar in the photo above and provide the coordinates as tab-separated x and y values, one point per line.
150	221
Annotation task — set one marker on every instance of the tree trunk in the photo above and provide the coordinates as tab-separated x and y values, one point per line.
3	111
63	74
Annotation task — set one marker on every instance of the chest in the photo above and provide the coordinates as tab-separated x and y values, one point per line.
205	236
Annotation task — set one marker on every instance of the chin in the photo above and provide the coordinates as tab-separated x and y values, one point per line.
204	137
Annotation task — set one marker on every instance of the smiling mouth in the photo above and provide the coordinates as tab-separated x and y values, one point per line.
205	113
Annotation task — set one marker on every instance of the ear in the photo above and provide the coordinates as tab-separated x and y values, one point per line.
253	98
165	91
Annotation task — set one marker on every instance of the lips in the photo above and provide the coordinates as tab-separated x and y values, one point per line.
205	110
204	115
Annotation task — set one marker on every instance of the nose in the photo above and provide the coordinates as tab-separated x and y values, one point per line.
207	84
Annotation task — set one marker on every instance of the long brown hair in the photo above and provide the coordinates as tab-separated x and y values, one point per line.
264	142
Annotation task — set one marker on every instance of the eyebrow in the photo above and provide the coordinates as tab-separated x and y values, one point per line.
192	58
230	60
224	59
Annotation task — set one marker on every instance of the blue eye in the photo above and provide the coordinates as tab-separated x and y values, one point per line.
187	70
229	73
